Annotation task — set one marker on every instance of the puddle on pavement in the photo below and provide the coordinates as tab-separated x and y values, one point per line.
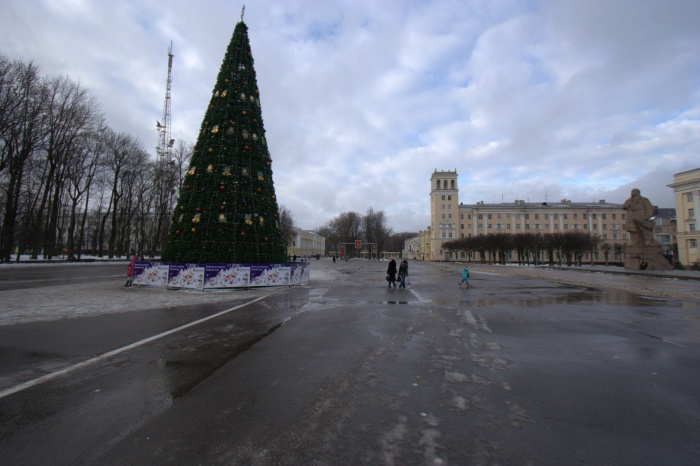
186	371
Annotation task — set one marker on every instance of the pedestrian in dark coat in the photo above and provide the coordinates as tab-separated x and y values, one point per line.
391	273
403	273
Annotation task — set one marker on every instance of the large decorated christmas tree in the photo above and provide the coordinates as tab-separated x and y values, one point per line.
227	211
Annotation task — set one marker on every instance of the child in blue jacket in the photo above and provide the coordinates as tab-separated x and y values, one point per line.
465	277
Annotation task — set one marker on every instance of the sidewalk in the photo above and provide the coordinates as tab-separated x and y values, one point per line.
678	284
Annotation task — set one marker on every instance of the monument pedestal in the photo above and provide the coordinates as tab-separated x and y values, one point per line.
651	254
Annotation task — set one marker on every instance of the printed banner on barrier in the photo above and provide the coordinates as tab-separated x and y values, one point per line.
226	276
212	276
186	276
299	274
150	274
269	275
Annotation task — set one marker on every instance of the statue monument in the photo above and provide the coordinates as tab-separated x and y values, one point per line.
643	253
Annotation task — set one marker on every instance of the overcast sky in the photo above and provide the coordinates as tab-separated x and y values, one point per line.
363	100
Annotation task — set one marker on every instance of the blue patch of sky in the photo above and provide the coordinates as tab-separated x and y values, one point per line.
318	31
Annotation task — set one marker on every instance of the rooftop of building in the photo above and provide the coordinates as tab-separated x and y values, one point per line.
563	204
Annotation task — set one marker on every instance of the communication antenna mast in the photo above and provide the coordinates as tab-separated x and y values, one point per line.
165	141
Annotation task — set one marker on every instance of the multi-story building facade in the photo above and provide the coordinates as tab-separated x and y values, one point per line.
450	219
686	189
306	243
665	230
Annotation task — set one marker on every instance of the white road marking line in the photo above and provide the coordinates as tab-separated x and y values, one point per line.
109	354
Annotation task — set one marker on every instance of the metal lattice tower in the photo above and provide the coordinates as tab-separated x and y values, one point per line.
165	141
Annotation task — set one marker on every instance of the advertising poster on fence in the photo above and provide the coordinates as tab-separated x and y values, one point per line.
226	276
269	275
186	276
150	274
298	275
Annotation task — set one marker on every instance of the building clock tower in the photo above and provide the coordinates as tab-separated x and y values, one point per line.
444	212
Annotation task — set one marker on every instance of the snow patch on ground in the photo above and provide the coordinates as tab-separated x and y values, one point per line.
93	299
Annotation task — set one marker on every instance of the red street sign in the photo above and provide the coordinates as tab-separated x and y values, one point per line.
358	244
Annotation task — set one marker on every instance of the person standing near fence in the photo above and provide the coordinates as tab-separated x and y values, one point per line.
130	270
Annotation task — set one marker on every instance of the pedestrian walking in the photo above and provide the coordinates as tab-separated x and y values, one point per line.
403	273
391	273
130	270
465	277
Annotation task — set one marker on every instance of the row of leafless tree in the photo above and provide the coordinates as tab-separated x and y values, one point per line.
71	185
369	228
570	247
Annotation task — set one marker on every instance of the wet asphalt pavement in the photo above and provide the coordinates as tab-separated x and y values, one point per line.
525	367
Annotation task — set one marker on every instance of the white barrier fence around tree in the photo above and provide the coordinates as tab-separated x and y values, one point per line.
217	276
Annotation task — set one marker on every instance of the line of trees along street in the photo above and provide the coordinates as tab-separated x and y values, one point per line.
68	182
570	247
369	228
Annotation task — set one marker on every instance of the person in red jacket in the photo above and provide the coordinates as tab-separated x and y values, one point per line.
130	270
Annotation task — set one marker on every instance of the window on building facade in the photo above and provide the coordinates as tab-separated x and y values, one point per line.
689	197
614	216
575	216
443	234
499	226
443	216
449	207
449	235
461	226
585	216
691	213
517	226
605	236
556	216
490	216
508	226
527	216
537	216
481	225
546	216
566	226
691	227
461	216
449	197
490	226
576	225
594	216
556	226
507	216
443	196
566	216
605	226
469	216
693	243
585	226
604	216
481	216
537	226
449	216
